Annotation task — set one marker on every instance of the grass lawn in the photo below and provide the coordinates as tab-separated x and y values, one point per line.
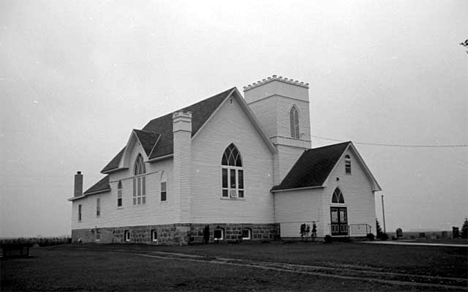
120	268
431	261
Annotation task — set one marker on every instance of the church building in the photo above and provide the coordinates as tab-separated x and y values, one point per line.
228	168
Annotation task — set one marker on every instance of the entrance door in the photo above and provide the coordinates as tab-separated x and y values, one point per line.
339	220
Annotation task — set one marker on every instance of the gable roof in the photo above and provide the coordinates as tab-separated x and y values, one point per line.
313	167
162	127
101	186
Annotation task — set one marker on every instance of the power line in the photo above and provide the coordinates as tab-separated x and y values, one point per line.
397	145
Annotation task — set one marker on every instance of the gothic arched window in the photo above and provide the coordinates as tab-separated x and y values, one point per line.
232	173
139	182
337	197
294	122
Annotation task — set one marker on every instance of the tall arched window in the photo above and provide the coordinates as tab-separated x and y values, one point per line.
232	173
119	194
348	164
337	197
294	122
139	182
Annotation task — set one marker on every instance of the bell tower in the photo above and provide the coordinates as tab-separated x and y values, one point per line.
282	107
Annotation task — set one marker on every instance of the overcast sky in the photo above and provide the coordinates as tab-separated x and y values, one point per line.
77	76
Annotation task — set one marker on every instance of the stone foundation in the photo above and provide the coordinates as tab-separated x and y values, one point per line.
177	234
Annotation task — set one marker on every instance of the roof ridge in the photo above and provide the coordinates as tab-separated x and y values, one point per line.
193	104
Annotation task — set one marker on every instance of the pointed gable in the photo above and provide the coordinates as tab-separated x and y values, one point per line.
162	127
147	139
313	167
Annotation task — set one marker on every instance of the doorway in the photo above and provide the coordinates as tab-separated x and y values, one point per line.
339	220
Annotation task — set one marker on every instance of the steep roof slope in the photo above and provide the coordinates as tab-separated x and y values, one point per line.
162	126
313	167
101	186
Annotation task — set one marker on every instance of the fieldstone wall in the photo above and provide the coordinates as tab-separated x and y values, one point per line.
175	234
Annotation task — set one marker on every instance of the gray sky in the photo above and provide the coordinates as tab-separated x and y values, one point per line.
77	76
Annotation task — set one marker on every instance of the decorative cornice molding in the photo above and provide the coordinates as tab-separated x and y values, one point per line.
276	78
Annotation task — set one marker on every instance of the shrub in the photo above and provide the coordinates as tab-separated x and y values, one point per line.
370	236
328	238
383	236
464	231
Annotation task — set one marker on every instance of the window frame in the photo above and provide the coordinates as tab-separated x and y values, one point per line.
154	235
127	235
294	122
98	207
249	232
219	229
163	191
232	174
119	194
338	194
139	182
348	169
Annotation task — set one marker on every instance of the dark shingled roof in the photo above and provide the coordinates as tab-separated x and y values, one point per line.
162	126
313	167
147	139
101	186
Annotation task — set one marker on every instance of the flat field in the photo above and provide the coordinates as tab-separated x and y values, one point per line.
238	267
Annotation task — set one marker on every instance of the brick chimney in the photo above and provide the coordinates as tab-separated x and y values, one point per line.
182	131
78	184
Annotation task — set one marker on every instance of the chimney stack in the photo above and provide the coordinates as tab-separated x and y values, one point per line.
78	184
182	131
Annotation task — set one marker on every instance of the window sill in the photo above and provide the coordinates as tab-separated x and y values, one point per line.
120	208
232	199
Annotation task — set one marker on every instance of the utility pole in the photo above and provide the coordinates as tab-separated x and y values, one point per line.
383	214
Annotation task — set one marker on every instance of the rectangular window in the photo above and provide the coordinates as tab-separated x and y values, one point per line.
139	187
348	167
98	207
143	190
232	182
134	190
240	179
225	182
163	191
218	234
233	179
119	198
79	212
246	233
154	235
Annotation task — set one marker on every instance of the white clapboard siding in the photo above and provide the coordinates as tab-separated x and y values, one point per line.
231	125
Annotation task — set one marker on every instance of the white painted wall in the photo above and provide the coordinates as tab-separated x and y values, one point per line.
357	192
153	212
231	125
293	208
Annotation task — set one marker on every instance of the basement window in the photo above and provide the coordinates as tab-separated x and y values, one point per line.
246	234
127	235
154	235
218	234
